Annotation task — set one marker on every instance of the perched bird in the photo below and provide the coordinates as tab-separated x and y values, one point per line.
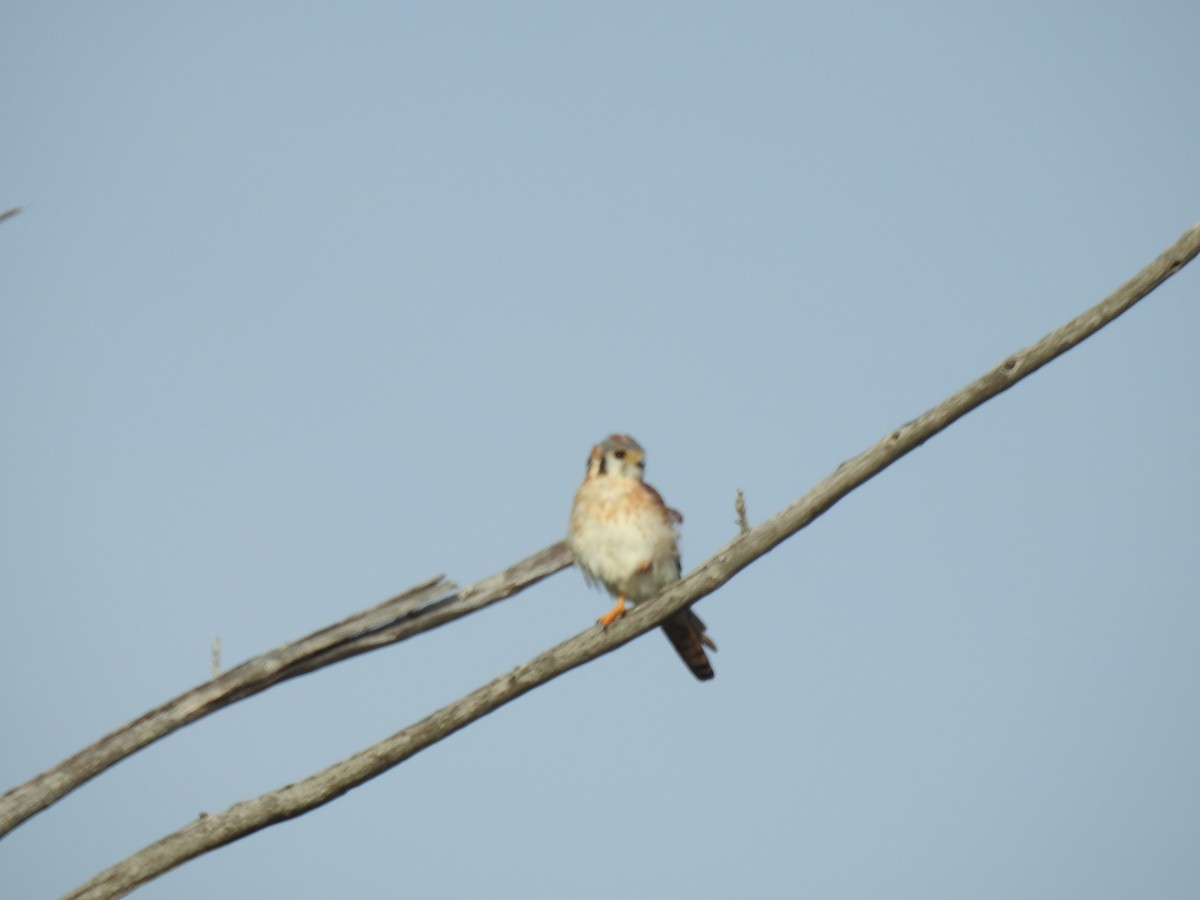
623	537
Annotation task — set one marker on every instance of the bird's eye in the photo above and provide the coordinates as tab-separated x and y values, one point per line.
619	454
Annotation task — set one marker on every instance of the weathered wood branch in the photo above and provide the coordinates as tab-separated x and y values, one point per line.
418	609
248	816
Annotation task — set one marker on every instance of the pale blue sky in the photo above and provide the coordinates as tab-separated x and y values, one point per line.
312	301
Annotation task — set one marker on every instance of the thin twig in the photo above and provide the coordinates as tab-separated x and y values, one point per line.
252	815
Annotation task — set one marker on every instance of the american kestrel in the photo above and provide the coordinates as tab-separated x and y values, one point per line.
623	537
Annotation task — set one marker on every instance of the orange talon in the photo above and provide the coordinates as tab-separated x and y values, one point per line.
613	614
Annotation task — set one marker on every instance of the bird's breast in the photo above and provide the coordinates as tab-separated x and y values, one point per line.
622	541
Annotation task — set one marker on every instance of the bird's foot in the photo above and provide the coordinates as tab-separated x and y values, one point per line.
613	614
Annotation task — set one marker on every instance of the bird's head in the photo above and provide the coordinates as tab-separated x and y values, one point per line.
617	455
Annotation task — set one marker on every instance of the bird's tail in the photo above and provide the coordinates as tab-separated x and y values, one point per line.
685	631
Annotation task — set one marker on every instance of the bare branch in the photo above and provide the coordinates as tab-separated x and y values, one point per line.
252	815
9	213
418	609
739	506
